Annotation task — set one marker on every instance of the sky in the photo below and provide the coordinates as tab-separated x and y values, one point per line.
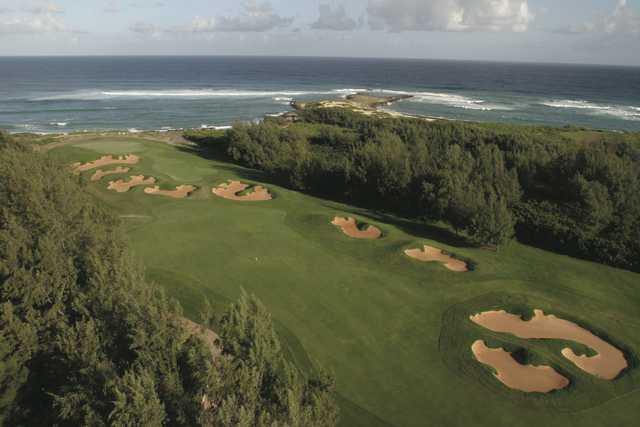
564	31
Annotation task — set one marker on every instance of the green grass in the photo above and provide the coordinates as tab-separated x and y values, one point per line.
393	330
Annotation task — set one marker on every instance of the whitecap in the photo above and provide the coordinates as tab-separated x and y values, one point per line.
447	99
99	94
623	112
280	114
215	127
88	95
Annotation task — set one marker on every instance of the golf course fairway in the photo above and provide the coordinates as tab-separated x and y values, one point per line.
395	332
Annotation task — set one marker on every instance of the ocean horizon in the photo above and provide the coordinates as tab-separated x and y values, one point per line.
99	93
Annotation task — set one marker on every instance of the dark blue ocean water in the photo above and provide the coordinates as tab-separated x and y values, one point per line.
66	94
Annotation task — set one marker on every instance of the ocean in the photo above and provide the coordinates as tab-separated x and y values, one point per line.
64	94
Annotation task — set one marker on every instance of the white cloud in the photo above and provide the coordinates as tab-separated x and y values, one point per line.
35	17
112	6
622	21
49	8
35	25
256	17
334	19
144	28
449	15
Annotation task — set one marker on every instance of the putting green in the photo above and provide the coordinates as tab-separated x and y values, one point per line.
394	331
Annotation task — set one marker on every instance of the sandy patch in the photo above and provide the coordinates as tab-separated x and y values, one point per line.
129	159
230	191
527	378
349	227
430	254
122	186
208	337
180	192
607	364
99	174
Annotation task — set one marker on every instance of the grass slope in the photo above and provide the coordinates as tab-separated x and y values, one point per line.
393	330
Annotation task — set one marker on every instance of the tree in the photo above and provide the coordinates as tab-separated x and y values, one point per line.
85	341
260	387
382	166
492	223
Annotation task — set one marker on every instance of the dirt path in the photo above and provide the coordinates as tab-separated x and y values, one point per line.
349	226
230	191
527	378
430	254
607	364
122	186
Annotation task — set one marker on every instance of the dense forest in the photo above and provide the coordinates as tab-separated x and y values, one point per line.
569	190
85	341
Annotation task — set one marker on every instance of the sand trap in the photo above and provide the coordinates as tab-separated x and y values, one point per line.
230	191
122	186
180	192
99	174
607	364
527	378
349	227
129	159
429	254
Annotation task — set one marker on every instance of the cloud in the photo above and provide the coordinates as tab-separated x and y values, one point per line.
116	6
50	8
112	6
449	15
35	25
144	28
622	21
33	18
334	19
256	17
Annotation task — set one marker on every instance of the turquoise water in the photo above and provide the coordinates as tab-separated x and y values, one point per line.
102	93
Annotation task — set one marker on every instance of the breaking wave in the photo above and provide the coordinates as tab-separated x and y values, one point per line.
91	95
624	112
449	100
280	96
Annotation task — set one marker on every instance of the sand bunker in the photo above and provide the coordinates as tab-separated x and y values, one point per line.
122	186
527	378
230	191
349	227
106	161
429	254
99	174
607	364
180	192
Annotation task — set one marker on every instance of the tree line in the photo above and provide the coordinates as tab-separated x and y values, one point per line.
85	341
569	190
